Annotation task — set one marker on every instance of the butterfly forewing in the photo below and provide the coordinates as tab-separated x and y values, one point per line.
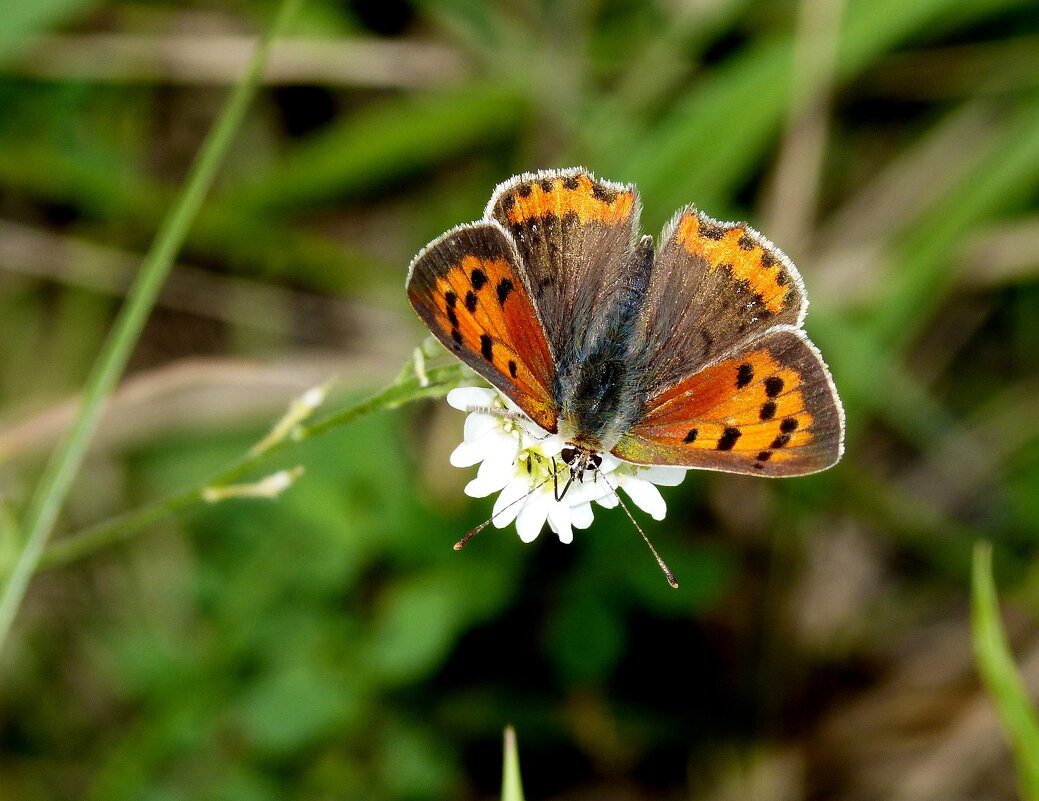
470	289
713	286
770	408
575	235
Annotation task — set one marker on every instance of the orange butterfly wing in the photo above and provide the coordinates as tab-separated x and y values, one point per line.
768	409
470	288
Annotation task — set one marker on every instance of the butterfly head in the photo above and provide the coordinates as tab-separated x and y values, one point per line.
580	461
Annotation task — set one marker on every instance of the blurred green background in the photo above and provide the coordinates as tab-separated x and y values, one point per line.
330	644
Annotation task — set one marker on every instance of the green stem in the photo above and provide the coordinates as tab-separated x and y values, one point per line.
61	469
123	527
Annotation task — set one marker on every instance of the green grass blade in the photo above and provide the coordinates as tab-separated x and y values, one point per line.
1000	675
61	470
511	785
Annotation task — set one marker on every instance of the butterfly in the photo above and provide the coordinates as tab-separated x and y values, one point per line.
689	353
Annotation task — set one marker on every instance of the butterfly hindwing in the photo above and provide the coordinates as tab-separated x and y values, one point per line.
713	286
576	236
470	288
768	408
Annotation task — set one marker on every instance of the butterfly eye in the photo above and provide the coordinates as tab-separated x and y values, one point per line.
595	460
568	454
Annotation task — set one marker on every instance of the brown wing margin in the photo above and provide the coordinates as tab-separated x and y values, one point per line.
769	409
470	289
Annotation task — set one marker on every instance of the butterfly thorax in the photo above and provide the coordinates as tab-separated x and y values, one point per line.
596	399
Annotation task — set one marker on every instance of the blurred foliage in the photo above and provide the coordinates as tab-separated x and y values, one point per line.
330	644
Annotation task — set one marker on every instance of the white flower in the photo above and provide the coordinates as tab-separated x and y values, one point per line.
521	460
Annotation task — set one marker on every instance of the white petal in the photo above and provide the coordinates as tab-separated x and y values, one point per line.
646	496
466	398
664	475
531	518
559	520
548	446
581	516
467	454
584	491
495	444
497	470
481	487
608	499
509	502
478	423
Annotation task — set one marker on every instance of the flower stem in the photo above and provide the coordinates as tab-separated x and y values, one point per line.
61	469
87	541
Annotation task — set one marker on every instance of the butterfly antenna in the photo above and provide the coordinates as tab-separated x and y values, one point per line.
476	530
663	565
566	487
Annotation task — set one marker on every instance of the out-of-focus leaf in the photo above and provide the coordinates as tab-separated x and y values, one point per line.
586	636
384	142
292	707
23	18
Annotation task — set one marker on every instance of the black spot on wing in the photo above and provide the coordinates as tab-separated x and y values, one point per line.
486	347
728	438
768	410
512	368
744	375
479	279
505	286
470	301
600	192
710	231
773	386
690	436
789	424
